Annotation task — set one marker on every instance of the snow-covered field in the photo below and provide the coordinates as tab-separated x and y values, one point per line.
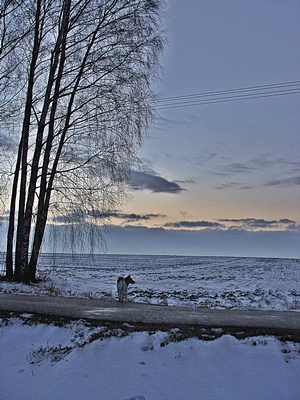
82	361
214	282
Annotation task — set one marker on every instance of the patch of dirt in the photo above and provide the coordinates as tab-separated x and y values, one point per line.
176	333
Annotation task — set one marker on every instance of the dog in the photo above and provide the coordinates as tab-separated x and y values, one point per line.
122	286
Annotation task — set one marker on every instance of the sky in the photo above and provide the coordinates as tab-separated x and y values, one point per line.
221	178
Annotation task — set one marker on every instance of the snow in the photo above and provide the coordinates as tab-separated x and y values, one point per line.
214	282
80	361
50	362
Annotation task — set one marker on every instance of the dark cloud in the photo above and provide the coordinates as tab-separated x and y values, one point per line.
225	224
140	180
260	223
233	185
287	221
248	224
185	181
76	217
294	181
262	162
134	217
235	168
238	168
201	159
228	185
296	167
249	221
194	224
245	187
80	216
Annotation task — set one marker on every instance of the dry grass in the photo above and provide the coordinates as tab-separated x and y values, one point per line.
176	333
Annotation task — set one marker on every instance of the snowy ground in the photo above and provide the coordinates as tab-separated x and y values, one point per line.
81	361
41	361
214	282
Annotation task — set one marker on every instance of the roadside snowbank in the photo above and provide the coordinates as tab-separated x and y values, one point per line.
49	362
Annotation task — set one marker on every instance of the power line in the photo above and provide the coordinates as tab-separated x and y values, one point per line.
244	89
225	99
238	94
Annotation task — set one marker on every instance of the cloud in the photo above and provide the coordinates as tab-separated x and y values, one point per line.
201	159
286	221
231	185
250	222
294	181
134	217
260	223
150	180
226	224
234	169
78	216
247	224
194	224
73	217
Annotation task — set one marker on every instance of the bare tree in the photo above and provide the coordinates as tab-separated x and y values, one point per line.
86	80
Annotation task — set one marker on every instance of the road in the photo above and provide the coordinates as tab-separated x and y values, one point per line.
113	311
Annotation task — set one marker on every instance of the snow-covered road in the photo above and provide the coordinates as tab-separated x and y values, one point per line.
148	313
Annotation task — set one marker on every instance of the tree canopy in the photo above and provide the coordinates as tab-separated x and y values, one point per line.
76	99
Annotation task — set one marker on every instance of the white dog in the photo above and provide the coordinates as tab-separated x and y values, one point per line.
122	286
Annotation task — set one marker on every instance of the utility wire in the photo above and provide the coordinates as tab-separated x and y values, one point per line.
244	89
245	93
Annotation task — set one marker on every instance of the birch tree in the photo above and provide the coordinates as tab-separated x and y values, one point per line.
83	73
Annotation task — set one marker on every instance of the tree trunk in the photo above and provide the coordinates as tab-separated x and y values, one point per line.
44	193
38	239
11	226
22	244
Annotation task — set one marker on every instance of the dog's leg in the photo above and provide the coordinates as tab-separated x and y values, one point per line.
125	291
120	294
120	287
